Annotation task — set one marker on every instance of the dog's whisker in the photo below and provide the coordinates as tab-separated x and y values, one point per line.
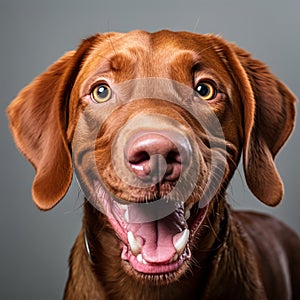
196	24
112	45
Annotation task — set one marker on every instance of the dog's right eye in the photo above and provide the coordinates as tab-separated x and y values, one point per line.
206	90
101	93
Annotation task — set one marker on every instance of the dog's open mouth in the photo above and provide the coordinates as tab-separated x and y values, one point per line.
152	245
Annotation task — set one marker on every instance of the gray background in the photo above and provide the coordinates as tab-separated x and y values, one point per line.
34	245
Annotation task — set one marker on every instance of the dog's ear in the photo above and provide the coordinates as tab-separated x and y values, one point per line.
38	121
269	117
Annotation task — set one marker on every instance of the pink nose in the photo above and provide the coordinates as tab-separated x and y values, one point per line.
155	155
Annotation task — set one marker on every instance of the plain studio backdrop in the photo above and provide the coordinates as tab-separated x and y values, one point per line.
34	245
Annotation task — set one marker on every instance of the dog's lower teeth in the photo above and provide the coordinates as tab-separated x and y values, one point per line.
135	247
180	240
175	257
139	258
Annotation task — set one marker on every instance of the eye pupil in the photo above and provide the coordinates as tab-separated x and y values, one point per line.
206	90
203	90
101	93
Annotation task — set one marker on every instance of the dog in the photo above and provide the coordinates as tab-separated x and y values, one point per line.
153	126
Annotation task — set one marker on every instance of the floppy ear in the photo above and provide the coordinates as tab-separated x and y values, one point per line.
269	117
38	121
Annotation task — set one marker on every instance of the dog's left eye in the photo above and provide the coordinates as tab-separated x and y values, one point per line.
101	93
206	90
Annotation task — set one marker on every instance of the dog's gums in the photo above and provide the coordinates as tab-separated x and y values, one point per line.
156	247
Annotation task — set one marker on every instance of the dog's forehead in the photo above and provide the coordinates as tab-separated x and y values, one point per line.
157	41
142	54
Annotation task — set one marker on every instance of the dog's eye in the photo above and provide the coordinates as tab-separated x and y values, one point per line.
101	93
206	90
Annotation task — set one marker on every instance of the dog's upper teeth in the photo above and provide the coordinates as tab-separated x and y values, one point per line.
180	240
187	211
187	214
123	206
126	215
124	209
135	246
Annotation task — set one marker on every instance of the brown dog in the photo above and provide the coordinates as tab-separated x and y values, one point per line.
154	126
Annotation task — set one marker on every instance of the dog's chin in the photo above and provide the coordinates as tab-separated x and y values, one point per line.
155	244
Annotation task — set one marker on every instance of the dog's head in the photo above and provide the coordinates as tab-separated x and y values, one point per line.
154	126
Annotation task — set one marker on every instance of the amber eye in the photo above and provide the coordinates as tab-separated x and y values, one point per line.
101	93
206	90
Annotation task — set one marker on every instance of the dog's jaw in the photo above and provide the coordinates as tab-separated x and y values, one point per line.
159	246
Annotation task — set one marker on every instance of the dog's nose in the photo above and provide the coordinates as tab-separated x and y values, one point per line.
156	156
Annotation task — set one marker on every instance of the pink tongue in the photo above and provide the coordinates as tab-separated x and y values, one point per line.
157	237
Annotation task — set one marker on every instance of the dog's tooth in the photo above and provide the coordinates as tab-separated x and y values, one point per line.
135	246
140	258
123	206
187	214
187	211
126	215
180	240
175	257
124	209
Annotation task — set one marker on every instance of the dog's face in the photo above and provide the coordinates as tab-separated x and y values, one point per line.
156	124
148	148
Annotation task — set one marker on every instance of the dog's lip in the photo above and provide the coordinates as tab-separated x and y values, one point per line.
140	265
160	246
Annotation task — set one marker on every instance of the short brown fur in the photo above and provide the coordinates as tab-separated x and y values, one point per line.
235	255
